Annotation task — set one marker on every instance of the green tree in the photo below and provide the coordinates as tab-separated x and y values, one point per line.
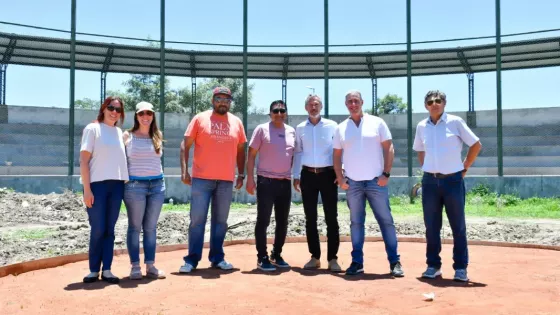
87	103
391	104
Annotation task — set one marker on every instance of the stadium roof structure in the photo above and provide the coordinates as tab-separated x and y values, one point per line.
118	58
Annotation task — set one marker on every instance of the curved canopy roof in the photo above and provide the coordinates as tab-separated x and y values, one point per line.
109	57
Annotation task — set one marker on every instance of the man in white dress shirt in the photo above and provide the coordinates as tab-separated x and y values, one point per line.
313	172
364	142
439	141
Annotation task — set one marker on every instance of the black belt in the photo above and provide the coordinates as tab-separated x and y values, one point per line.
317	170
439	175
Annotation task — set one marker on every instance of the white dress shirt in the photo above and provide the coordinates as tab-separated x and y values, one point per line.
443	143
362	152
314	145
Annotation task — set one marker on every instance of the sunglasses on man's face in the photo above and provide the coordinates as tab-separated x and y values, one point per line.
222	99
437	101
146	112
112	108
279	110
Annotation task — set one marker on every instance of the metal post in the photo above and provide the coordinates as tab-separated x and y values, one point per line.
409	86
3	69
499	91
162	73
284	90
103	86
374	96
193	92
72	90
326	21
245	97
471	91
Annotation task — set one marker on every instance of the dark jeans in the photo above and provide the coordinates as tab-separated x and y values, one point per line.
275	193
103	215
448	192
311	185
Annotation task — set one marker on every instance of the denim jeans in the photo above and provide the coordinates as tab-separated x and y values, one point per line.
437	193
103	215
378	198
143	200
219	193
277	194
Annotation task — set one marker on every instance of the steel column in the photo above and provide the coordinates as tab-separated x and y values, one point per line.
162	73
285	79
103	86
3	69
409	86
374	96
499	90
326	22
471	91
72	92
193	93
245	55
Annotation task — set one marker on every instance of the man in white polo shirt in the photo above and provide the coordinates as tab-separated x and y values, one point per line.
364	143
439	141
313	172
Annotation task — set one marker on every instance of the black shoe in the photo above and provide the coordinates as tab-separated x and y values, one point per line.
90	279
111	280
354	269
396	269
279	261
265	265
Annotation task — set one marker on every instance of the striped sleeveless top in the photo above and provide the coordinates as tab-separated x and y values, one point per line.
143	162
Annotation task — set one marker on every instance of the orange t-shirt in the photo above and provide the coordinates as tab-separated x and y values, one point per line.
216	138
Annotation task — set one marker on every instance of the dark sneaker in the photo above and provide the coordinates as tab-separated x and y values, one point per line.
461	275
265	265
279	261
354	269
396	269
431	273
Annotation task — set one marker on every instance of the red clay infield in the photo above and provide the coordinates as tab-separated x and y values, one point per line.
503	281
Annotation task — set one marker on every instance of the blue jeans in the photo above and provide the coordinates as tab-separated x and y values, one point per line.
103	215
143	200
204	191
378	198
448	192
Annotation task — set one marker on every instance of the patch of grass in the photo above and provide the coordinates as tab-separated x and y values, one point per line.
31	234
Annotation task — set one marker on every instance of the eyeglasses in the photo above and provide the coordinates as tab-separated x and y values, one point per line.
112	108
279	110
222	99
146	112
437	101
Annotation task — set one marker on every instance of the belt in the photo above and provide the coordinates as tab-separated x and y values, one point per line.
317	170
439	175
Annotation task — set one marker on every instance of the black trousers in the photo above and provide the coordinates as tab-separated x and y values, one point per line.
271	193
311	185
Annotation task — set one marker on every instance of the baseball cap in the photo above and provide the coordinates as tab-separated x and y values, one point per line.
142	106
222	90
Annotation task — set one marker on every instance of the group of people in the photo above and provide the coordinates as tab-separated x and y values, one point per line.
316	158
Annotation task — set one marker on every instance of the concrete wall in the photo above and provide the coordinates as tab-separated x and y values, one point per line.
523	186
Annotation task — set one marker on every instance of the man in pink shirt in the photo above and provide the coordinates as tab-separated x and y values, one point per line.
274	142
219	144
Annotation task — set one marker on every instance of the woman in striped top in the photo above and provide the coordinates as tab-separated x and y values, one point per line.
145	192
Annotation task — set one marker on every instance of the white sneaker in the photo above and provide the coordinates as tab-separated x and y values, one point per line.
224	265
186	268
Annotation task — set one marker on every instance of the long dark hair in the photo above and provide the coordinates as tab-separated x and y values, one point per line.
155	134
108	100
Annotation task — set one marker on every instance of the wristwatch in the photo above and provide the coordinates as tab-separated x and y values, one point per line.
386	174
241	175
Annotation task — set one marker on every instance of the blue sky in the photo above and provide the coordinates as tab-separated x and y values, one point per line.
293	22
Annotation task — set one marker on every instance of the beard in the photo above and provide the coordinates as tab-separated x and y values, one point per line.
221	109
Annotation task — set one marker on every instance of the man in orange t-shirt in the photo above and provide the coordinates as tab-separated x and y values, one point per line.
219	143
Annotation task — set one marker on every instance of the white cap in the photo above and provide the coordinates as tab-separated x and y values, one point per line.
142	106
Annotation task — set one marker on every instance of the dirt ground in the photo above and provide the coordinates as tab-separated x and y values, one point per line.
39	226
503	281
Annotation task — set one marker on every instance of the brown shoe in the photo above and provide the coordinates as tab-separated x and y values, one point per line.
334	266
313	263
